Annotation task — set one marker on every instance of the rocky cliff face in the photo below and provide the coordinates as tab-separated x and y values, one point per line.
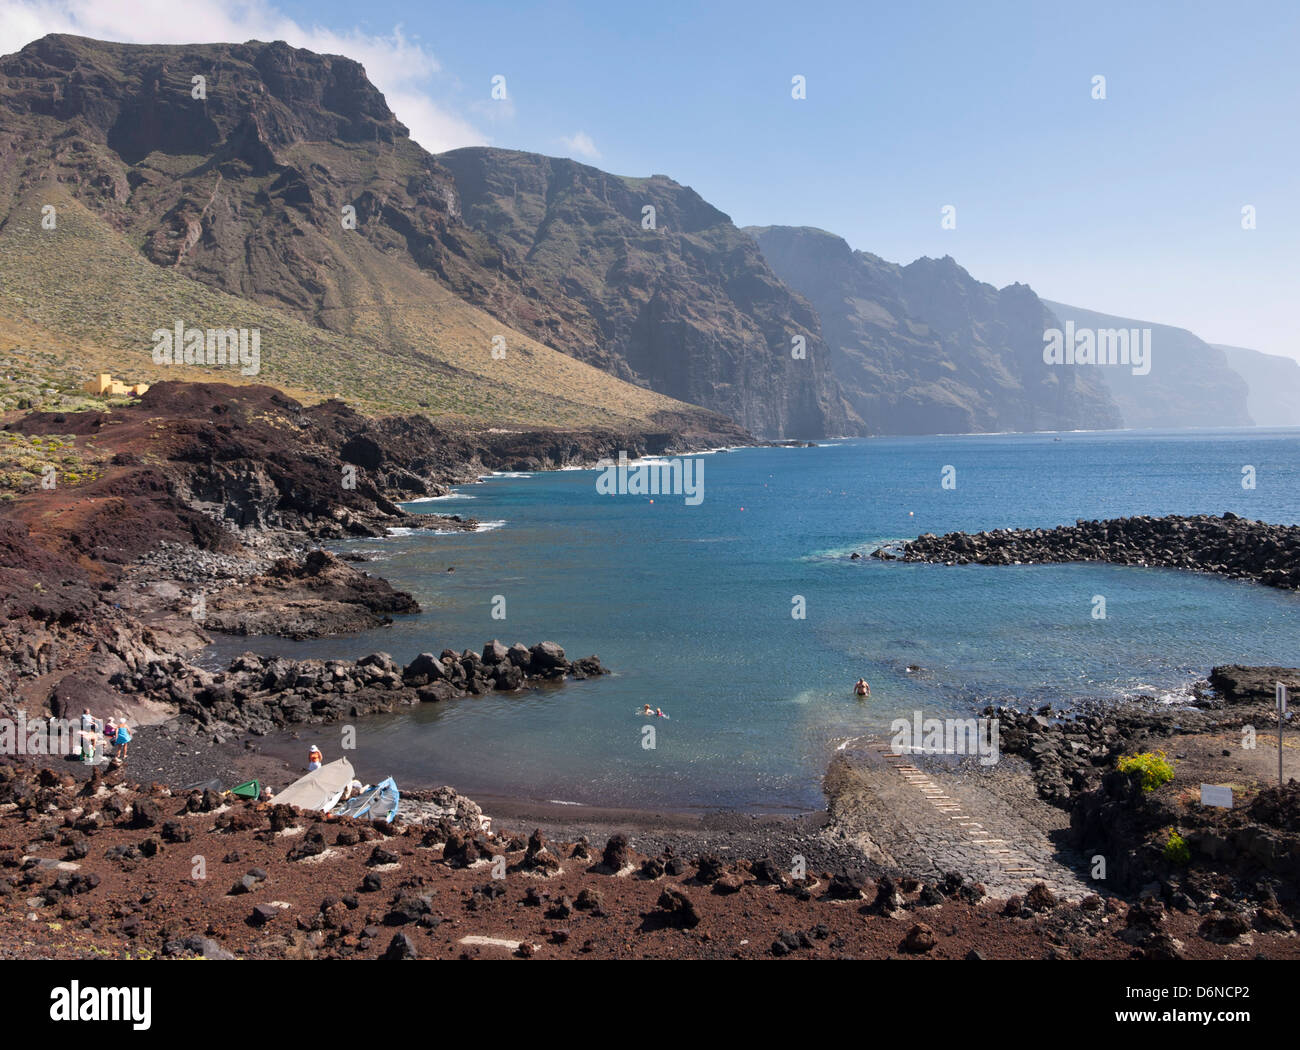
228	186
688	307
1190	383
1272	385
292	186
926	348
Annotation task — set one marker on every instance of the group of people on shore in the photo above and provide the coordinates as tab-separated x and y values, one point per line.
114	733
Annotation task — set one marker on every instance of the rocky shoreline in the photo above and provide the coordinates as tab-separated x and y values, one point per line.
1226	546
1247	853
264	695
105	867
204	517
198	511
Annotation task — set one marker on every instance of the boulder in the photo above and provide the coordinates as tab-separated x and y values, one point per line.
507	677
590	900
848	888
1040	898
424	669
201	946
709	868
678	907
547	658
617	854
920	938
459	851
731	882
400	948
1223	927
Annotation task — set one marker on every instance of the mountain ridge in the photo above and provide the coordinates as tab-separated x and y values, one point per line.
1272	384
291	185
926	348
494	285
1190	383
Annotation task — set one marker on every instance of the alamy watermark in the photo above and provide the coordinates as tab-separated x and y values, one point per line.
39	736
209	346
946	736
72	1002
659	477
1098	346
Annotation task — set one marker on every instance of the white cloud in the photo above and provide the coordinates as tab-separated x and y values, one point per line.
580	143
401	68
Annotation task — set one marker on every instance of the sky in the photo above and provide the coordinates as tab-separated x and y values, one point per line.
1131	204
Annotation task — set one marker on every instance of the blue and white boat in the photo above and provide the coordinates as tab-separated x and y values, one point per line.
380	802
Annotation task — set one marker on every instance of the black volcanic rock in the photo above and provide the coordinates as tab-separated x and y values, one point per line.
1228	546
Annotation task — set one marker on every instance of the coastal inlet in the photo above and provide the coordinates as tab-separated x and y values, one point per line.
691	608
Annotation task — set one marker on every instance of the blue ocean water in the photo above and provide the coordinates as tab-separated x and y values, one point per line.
691	606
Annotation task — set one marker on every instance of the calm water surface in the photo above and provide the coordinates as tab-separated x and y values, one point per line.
691	607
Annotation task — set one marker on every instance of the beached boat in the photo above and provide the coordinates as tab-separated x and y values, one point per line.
320	789
376	803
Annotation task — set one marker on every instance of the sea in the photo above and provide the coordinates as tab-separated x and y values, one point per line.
746	620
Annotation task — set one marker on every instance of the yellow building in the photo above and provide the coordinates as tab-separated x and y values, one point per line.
105	384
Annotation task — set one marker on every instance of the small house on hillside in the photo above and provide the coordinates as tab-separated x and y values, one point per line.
105	385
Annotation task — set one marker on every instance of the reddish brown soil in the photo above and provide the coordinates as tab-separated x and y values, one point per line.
141	904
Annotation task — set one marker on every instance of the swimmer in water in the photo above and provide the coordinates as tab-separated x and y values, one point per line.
861	689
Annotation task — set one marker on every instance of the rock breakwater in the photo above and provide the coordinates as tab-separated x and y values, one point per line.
264	695
1227	546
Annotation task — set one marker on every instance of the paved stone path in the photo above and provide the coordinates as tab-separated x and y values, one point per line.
938	813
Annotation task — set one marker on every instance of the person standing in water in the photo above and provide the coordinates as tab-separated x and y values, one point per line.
861	690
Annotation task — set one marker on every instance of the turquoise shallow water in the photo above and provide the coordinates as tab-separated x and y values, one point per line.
691	607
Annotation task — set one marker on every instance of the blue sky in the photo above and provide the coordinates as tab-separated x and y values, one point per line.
1129	205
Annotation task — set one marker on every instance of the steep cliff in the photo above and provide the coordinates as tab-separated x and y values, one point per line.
925	348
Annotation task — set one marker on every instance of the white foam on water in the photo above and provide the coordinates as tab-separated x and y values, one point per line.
562	802
1181	696
865	547
506	474
488	526
435	499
